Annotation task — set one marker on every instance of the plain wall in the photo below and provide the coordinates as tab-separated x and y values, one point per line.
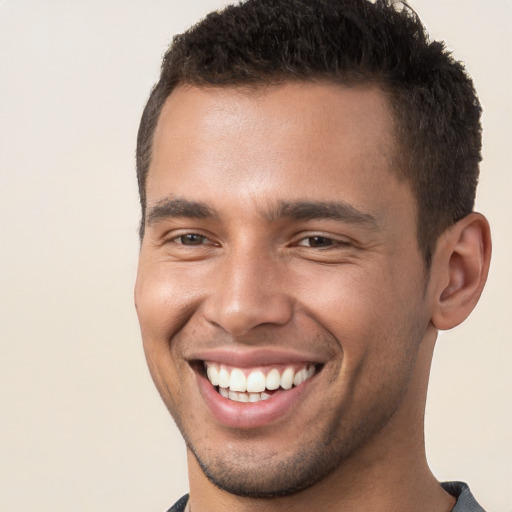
81	426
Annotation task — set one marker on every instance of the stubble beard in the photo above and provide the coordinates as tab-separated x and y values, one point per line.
249	473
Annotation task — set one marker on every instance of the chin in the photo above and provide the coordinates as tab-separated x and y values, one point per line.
270	478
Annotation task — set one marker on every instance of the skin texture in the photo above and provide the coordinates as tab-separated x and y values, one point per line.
230	264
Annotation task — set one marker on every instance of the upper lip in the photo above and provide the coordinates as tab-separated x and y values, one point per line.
250	357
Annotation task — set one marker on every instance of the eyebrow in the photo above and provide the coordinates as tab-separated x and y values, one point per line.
300	210
312	210
176	207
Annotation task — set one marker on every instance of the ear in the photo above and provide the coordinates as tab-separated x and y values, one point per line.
459	270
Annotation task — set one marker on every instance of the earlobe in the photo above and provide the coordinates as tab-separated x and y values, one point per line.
460	268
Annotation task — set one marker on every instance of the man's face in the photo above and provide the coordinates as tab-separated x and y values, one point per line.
279	247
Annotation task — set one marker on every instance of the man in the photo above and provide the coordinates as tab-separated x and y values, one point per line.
307	173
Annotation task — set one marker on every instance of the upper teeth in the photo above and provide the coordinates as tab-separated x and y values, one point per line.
256	381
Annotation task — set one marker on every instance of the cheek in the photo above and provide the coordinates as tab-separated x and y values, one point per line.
158	305
343	298
163	302
371	314
375	322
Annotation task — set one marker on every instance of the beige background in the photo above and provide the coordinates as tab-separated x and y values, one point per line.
81	427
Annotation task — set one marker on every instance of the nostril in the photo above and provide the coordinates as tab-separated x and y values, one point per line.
238	318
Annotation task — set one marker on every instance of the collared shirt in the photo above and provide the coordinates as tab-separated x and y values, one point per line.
465	500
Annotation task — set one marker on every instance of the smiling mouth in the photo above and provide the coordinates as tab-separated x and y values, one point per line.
255	385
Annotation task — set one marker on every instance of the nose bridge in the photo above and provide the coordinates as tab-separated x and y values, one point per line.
249	291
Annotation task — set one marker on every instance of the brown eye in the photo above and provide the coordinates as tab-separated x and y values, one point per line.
190	239
317	241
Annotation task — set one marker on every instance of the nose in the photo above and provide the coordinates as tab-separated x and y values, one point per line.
249	291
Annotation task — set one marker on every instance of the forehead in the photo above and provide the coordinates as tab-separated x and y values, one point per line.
293	140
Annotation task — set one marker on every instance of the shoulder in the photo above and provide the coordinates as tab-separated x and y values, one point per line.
180	505
465	500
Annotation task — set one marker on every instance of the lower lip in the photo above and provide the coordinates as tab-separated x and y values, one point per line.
248	415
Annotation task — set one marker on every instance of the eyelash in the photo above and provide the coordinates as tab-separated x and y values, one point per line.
321	242
179	239
314	241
